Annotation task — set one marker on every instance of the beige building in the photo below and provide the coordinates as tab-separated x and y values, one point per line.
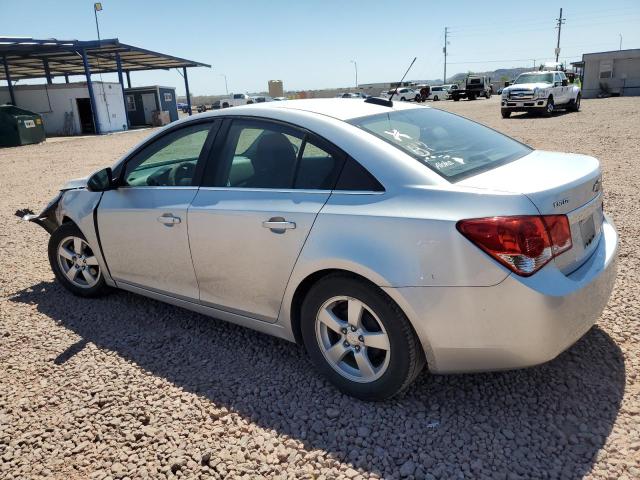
276	88
616	72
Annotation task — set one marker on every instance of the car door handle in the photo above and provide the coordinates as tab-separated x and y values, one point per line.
278	224
169	219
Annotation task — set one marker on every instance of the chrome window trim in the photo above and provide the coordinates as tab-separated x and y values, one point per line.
292	190
158	187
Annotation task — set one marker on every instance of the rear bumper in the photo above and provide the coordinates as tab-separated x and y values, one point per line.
518	323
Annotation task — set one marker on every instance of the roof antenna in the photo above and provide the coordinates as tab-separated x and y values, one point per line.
405	74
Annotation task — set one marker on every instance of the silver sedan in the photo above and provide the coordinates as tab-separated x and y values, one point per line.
381	235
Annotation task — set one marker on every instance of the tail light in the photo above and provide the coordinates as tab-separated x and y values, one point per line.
524	244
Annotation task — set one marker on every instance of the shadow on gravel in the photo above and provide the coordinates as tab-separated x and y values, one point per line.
544	422
528	116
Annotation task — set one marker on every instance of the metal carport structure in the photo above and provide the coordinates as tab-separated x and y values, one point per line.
25	58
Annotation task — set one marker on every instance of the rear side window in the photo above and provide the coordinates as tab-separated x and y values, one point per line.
262	154
318	166
448	144
355	177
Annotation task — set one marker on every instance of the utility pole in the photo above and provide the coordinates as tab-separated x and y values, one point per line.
559	27
226	88
355	64
620	41
444	50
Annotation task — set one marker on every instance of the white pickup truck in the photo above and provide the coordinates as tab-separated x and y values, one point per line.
542	91
236	99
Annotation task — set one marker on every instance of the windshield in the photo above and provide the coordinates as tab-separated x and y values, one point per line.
451	146
534	78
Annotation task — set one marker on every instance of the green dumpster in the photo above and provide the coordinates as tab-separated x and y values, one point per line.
20	127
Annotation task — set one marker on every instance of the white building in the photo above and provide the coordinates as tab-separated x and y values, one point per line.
66	108
616	73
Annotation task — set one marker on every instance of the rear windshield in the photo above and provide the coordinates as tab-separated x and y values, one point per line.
448	144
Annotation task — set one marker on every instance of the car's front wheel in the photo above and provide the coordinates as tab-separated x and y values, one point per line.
359	338
506	113
74	263
550	108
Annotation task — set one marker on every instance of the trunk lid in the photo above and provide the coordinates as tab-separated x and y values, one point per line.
556	183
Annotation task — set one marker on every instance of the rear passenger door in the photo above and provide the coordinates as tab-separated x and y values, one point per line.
261	193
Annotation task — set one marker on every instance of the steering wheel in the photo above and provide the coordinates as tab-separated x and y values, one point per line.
181	172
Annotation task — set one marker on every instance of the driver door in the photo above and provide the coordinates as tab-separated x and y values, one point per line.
143	223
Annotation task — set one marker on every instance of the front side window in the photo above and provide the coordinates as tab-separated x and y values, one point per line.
169	161
451	146
260	154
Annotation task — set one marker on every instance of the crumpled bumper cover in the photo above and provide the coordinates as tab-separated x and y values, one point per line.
46	218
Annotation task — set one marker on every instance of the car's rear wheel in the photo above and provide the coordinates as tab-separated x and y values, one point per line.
359	338
575	104
505	113
74	263
403	99
435	99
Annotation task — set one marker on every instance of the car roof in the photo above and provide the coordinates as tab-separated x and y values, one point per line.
339	108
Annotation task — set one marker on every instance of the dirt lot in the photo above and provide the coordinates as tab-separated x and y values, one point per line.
126	387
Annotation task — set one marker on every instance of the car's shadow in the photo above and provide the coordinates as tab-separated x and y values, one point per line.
531	115
544	422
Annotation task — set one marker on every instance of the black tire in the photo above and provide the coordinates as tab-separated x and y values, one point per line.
403	99
575	104
435	98
550	108
505	113
471	97
418	98
60	235
406	356
456	99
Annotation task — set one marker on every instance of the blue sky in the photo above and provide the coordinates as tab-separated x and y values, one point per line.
309	44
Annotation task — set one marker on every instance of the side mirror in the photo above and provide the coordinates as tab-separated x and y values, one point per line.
101	181
565	82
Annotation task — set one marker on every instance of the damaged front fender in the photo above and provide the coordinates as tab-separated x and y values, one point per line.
47	218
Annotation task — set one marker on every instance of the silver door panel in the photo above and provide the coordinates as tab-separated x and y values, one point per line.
140	247
242	265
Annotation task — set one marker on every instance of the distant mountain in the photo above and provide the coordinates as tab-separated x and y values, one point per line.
497	76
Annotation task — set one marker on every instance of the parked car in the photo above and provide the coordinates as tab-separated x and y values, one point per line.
261	99
351	95
403	94
237	99
438	93
451	86
381	235
423	92
475	86
280	99
540	91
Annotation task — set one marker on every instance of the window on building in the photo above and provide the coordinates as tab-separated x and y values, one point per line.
131	103
168	97
606	69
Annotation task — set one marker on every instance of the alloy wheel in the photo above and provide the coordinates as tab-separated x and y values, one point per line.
352	339
78	263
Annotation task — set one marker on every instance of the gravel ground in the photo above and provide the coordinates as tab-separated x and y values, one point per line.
126	387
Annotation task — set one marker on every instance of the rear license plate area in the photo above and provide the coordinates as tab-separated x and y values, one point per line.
588	230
